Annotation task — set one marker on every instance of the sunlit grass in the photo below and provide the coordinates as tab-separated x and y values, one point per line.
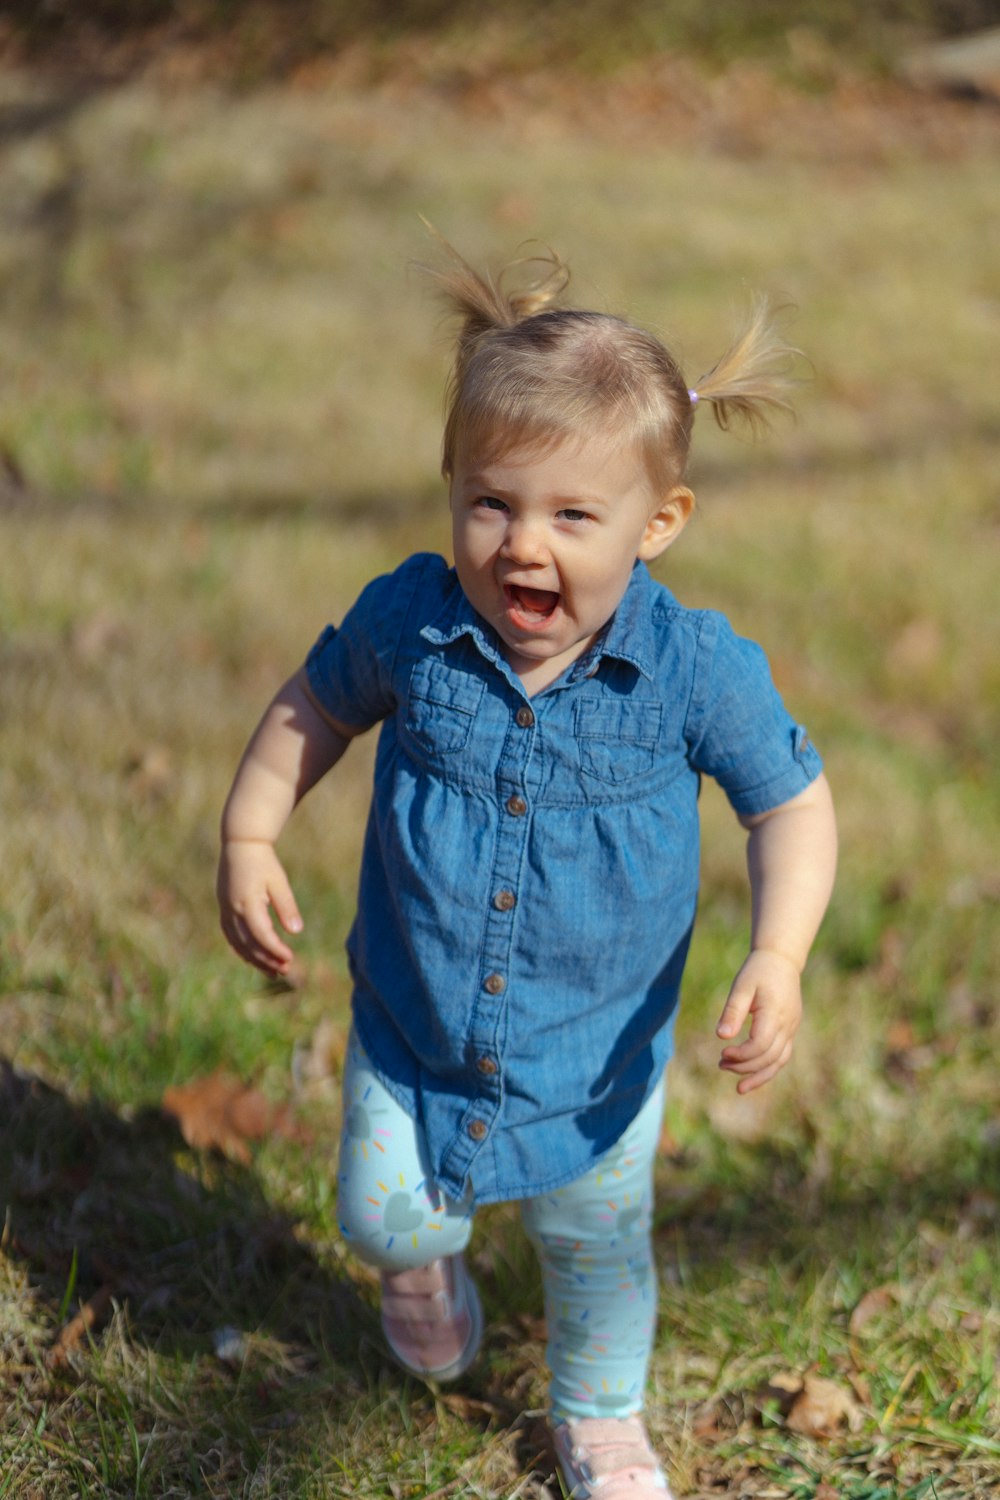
221	390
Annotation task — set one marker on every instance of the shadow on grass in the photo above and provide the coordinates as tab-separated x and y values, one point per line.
266	1351
103	1202
251	1328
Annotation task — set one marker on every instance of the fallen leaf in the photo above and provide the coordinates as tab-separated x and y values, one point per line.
809	1404
822	1408
872	1304
782	1389
218	1114
827	1492
91	1315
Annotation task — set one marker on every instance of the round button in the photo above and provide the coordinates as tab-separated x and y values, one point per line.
504	900
487	1067
477	1130
494	984
524	717
516	806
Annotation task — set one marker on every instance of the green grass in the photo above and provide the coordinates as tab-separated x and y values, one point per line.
222	392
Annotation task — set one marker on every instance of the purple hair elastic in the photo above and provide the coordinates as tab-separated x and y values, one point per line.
693	396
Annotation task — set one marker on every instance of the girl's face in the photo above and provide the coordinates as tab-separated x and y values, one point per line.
545	541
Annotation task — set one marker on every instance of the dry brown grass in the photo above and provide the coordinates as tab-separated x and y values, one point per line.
220	415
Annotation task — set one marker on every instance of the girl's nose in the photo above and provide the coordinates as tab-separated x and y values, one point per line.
523	542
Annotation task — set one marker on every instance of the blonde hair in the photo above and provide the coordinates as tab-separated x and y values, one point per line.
528	371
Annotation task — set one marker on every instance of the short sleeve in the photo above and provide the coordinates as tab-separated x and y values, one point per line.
349	669
738	729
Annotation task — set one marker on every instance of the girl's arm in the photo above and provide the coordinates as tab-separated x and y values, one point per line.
791	857
293	746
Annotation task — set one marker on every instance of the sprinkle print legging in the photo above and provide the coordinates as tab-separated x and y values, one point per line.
592	1238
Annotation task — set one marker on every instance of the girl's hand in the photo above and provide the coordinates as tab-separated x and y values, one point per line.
251	885
768	990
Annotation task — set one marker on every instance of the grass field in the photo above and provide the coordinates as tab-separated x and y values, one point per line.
220	402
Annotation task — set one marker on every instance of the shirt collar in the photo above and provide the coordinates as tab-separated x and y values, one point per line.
457	618
628	635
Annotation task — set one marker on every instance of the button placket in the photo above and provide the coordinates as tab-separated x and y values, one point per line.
488	1022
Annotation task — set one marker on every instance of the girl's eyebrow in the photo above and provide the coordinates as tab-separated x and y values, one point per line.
572	501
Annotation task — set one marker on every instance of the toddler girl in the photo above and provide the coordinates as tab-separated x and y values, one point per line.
530	867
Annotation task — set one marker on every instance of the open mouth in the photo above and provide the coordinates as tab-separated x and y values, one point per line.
530	606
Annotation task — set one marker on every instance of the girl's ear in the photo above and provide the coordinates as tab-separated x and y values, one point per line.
667	522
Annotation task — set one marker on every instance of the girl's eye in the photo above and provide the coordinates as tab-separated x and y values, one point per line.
490	502
574	515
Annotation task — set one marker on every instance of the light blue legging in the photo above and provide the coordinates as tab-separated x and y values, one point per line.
592	1238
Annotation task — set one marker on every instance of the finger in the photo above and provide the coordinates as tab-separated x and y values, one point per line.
757	1080
264	962
745	1060
735	1012
257	918
285	906
765	1029
751	1056
261	959
257	942
763	1039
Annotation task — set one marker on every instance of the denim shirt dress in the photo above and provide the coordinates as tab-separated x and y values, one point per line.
530	868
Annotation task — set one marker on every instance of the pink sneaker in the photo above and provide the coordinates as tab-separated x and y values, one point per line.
608	1458
432	1319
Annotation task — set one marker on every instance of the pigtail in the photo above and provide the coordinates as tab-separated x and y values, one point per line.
485	302
751	381
527	370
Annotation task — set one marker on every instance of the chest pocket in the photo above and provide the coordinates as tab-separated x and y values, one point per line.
443	701
617	741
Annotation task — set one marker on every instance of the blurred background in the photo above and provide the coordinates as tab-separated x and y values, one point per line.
220	410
